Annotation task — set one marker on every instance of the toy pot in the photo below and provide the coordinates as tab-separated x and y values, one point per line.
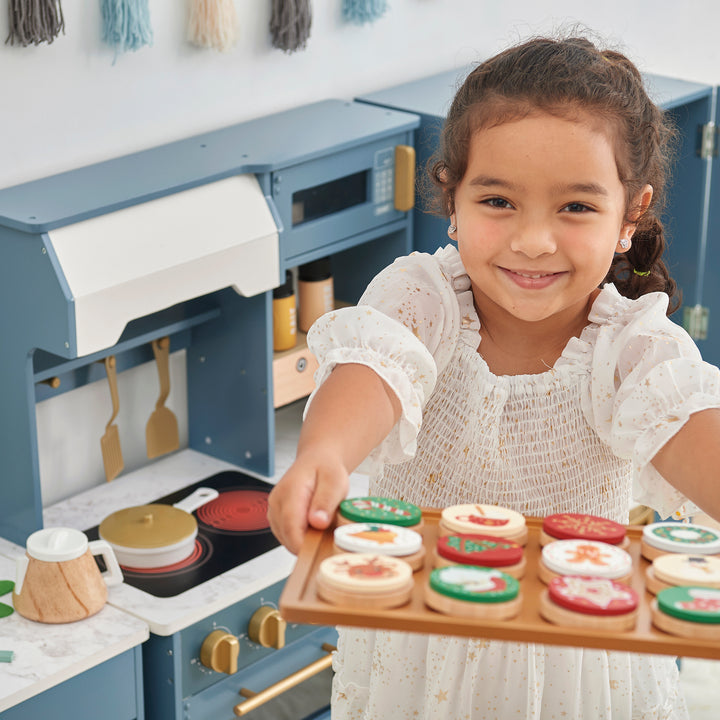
58	580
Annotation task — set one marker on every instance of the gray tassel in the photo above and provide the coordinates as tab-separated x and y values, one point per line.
34	21
290	24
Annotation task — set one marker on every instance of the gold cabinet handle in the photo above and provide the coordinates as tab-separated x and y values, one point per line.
404	177
255	700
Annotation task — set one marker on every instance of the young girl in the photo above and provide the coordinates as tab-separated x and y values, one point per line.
533	366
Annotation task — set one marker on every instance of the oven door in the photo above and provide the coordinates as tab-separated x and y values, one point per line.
291	684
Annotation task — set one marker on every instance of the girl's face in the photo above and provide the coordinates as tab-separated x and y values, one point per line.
539	214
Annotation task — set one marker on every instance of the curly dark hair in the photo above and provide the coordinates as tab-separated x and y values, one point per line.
565	77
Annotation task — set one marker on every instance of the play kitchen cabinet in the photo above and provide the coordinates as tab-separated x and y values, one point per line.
186	242
694	196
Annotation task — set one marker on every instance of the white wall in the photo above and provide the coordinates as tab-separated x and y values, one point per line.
67	104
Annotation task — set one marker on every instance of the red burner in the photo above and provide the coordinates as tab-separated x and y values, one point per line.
236	511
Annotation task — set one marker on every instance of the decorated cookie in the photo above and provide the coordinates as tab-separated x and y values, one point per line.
380	510
584	557
473	591
569	526
681	569
484	519
569	600
484	550
688	611
381	539
675	537
364	580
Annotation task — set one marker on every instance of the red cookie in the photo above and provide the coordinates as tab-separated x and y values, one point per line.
572	526
483	550
592	596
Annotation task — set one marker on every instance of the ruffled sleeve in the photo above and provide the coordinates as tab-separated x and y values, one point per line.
405	327
647	379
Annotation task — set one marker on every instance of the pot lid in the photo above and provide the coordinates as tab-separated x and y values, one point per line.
57	544
148	526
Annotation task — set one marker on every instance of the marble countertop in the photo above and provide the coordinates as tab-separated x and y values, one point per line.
43	657
46	655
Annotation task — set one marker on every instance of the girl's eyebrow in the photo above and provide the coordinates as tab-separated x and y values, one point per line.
489	181
589	188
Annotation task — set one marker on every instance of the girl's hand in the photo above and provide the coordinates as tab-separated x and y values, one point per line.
308	494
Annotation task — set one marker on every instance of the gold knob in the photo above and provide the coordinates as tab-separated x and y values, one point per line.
220	652
267	628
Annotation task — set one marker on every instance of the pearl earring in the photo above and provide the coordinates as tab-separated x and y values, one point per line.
624	243
451	229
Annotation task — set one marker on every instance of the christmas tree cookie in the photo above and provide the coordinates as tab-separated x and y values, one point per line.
483	550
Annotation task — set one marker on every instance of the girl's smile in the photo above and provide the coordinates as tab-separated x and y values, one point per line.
539	214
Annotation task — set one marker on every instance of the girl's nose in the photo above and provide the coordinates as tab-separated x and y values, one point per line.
533	240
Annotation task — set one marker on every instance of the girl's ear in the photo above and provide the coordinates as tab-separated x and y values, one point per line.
639	204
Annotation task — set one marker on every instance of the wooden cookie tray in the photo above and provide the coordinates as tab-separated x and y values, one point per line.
300	603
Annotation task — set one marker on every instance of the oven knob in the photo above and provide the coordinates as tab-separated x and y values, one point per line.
267	628
220	652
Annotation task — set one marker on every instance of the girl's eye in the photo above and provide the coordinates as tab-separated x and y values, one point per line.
577	207
497	202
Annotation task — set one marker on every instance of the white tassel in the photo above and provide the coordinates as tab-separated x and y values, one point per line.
212	24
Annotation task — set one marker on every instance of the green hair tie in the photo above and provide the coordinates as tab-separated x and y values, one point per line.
641	273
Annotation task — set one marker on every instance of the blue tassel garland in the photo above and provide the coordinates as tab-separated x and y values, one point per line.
126	24
363	11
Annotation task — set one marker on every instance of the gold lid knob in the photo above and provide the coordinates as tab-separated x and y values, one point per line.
267	627
220	651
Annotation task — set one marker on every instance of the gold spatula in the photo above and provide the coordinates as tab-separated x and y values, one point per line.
110	441
161	431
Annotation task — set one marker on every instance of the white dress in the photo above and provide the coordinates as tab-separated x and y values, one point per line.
578	438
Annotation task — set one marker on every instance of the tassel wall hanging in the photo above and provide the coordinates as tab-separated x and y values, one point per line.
212	24
363	11
290	24
126	24
34	21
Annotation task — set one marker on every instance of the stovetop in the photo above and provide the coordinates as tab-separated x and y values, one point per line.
232	529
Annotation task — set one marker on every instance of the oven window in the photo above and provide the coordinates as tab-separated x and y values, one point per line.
328	198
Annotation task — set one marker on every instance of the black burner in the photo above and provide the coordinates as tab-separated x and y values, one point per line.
231	530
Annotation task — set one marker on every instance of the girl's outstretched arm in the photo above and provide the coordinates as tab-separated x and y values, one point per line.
352	412
690	460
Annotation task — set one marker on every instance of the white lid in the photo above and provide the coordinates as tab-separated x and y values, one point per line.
377	538
57	544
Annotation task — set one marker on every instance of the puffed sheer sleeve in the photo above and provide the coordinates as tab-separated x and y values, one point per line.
404	327
647	379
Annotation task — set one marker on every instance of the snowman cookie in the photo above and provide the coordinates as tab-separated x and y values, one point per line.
589	602
473	592
579	526
688	611
584	557
483	550
379	510
662	538
682	569
364	580
381	539
483	519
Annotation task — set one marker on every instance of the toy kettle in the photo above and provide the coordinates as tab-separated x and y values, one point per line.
58	580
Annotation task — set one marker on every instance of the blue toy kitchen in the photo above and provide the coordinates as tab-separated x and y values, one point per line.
185	243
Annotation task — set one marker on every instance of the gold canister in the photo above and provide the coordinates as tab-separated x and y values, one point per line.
315	292
284	315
